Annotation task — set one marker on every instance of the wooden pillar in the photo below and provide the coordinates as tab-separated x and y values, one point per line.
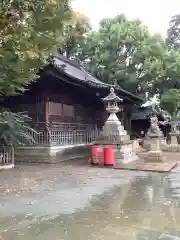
46	111
128	113
47	137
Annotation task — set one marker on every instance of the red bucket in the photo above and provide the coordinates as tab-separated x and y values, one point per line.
109	156
96	155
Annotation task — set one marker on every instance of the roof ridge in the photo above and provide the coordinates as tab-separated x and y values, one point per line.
72	62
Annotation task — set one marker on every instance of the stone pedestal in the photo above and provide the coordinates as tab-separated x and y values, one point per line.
113	132
155	154
173	146
125	153
155	135
155	143
173	136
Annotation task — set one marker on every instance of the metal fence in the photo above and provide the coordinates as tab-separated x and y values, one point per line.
6	155
65	134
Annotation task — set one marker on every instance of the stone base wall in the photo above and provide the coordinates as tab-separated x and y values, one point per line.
125	154
170	147
50	155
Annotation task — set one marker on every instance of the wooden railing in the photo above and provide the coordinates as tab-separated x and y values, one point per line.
60	126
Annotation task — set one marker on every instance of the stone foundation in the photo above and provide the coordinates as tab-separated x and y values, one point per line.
170	147
56	154
6	166
173	146
155	156
125	154
174	143
173	137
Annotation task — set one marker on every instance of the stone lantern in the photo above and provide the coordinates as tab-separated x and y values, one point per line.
155	135
113	132
112	104
173	134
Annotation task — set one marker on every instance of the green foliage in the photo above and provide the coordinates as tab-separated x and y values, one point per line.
124	52
170	101
173	33
14	128
74	33
29	33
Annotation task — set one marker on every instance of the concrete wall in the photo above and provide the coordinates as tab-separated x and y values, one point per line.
54	154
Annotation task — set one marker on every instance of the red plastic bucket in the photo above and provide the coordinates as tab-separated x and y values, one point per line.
96	155
109	156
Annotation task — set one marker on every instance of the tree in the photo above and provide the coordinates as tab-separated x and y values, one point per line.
170	101
173	33
29	32
74	33
124	52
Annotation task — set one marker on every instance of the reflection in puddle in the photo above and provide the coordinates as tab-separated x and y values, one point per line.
168	237
145	209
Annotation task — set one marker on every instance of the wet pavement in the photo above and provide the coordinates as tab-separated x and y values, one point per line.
74	202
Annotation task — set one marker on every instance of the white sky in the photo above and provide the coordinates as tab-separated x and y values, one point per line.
154	13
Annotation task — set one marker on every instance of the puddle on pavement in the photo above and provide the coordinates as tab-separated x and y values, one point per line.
146	209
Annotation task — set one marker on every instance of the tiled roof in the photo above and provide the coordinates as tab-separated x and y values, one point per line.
145	113
74	69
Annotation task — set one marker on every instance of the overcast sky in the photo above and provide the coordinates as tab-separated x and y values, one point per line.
154	13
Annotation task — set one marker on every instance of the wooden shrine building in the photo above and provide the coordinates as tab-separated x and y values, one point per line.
66	109
140	121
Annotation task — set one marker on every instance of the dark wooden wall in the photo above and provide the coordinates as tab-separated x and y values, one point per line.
52	100
73	113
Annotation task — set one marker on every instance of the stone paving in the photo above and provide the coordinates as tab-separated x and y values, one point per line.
74	202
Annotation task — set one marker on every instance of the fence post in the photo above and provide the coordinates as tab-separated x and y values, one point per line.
12	154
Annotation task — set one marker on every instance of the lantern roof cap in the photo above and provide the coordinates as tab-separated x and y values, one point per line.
112	97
